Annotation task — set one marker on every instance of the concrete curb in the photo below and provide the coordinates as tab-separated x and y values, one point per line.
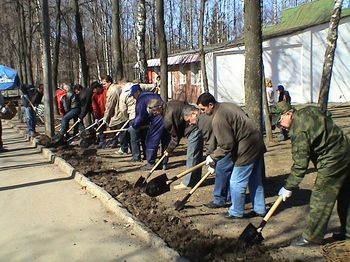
108	201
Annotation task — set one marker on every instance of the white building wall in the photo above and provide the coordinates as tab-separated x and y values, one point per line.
294	61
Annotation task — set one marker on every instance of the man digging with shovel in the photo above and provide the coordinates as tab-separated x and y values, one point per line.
316	137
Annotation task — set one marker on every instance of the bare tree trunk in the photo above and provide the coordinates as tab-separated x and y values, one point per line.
154	29
56	50
141	39
48	98
268	129
163	51
329	55
201	48
253	60
274	19
81	45
116	42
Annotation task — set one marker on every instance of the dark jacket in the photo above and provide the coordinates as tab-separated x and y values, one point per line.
71	101
31	93
205	126
174	123
85	101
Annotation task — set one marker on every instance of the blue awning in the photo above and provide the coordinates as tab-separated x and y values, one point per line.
8	78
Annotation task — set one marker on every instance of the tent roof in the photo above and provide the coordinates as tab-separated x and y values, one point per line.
8	78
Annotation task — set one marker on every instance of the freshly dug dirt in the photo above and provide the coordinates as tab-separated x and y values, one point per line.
178	233
200	233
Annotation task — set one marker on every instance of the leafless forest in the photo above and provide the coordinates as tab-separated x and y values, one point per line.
82	33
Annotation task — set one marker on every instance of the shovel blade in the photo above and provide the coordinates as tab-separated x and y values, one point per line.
179	205
249	237
157	186
140	182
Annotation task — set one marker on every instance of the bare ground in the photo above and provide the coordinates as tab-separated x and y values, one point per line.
200	233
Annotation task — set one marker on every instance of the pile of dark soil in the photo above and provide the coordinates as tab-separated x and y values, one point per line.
177	232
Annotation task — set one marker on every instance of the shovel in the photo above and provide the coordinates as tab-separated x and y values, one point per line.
117	134
99	127
252	235
179	205
33	107
161	184
141	182
90	126
65	134
113	131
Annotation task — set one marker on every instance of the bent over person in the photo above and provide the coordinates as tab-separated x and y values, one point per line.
237	134
315	137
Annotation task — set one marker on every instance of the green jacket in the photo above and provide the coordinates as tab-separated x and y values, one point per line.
316	137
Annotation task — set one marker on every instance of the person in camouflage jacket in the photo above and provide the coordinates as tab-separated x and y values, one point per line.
315	137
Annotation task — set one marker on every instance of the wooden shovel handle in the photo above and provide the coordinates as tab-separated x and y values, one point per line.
157	164
199	183
185	172
273	208
72	126
98	128
114	131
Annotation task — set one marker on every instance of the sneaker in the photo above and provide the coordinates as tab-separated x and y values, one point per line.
231	217
120	152
147	167
180	187
339	237
302	242
164	167
134	160
252	214
211	204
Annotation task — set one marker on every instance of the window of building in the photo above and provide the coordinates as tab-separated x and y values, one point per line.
195	74
182	72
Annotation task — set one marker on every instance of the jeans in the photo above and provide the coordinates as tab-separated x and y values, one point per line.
194	157
223	170
122	138
30	119
153	138
136	138
72	114
241	177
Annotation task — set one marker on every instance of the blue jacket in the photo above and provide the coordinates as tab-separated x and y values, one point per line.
142	116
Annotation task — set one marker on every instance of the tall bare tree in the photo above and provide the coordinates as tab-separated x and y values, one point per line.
253	60
81	45
141	39
118	72
329	55
163	51
201	48
48	97
56	50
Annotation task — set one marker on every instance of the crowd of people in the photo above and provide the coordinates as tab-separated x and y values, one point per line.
223	135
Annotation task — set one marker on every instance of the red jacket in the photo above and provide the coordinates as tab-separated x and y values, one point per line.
60	94
99	104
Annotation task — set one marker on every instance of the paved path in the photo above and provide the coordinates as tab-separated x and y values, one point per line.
46	216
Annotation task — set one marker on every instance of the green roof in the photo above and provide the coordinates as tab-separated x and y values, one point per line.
303	16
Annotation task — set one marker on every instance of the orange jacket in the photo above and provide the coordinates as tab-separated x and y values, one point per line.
99	104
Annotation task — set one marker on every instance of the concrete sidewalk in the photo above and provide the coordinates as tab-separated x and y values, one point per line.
47	216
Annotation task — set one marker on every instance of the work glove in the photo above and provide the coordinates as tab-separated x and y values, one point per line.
166	153
79	120
285	193
209	161
2	109
211	170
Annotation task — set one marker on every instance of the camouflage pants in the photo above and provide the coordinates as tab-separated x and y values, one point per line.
330	186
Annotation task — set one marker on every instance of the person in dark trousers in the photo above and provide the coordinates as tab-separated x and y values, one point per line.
72	108
177	128
283	95
85	97
31	98
144	118
316	138
98	108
